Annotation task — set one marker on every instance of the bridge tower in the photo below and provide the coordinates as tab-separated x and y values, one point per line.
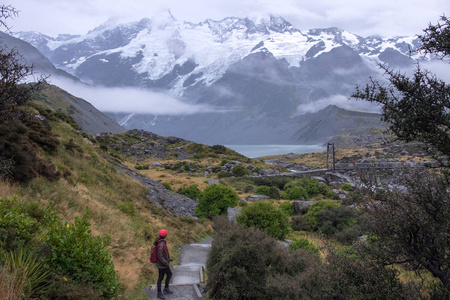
330	148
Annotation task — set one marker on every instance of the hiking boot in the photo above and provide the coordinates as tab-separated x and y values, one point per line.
167	291
161	295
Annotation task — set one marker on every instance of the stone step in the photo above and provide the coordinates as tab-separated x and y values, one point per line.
180	292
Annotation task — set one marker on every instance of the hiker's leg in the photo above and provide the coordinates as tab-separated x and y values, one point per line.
169	275
161	273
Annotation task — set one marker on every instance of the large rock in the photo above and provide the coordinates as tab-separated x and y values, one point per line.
337	178
301	207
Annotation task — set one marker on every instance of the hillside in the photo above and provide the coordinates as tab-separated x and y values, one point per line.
88	118
86	178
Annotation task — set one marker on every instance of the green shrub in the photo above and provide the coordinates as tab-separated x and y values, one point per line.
313	212
242	204
219	149
262	190
311	188
223	162
334	219
297	192
265	216
191	191
273	193
167	185
287	208
347	187
284	195
215	200
303	243
142	167
223	174
240	170
248	264
127	207
76	254
16	227
299	223
249	189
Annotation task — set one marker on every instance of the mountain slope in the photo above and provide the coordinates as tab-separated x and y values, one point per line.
32	56
88	118
260	71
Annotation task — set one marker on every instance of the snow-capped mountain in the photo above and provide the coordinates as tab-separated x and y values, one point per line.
264	68
167	53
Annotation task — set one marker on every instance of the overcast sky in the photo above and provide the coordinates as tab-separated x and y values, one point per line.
362	17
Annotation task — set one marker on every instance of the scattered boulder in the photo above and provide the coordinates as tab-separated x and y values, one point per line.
334	177
257	197
342	197
301	207
156	164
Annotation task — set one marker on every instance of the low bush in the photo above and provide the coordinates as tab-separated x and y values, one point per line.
16	227
167	185
305	187
249	264
191	191
297	192
265	216
313	212
215	200
76	254
299	223
347	187
303	243
223	174
240	170
273	193
262	190
287	208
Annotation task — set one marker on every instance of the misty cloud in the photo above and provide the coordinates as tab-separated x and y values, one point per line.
384	17
340	101
133	100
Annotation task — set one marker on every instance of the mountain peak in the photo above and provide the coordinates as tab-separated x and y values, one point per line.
276	23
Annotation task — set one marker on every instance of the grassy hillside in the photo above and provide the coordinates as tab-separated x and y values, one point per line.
119	205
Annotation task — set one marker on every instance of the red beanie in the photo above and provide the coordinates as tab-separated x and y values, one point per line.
163	232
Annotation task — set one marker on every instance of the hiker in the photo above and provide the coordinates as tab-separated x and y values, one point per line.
162	263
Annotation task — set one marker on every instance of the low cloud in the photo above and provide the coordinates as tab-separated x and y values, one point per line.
340	101
133	100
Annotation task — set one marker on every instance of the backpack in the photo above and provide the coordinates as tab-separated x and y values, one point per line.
153	257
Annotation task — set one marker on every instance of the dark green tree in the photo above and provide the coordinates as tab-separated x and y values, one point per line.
412	227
